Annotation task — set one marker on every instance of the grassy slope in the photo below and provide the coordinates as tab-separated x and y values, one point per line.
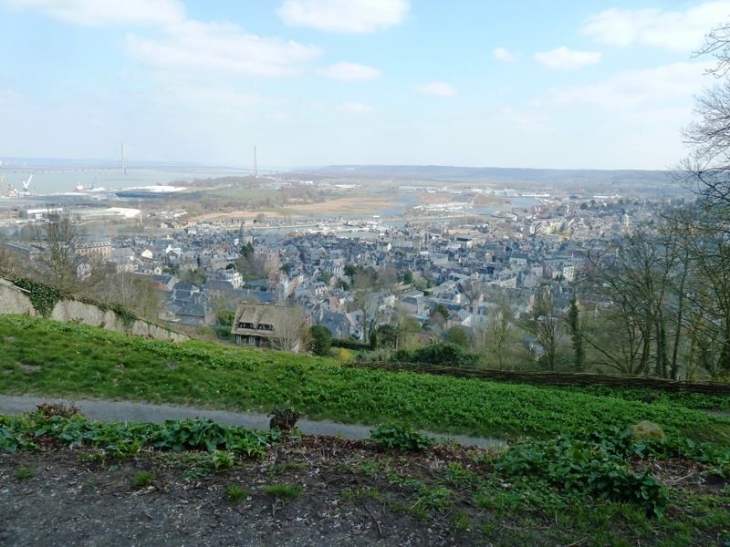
49	358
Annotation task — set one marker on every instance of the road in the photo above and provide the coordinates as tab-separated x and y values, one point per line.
120	411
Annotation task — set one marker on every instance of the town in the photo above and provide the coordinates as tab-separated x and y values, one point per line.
446	261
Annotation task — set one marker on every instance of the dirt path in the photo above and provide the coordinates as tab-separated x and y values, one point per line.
119	411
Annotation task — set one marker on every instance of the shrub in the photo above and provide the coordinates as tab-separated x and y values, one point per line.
321	340
400	437
438	354
589	467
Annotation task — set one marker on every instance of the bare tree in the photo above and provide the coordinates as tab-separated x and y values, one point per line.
133	292
290	330
497	337
9	266
57	239
545	325
707	169
644	280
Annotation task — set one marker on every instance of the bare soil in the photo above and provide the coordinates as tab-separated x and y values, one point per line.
70	500
343	492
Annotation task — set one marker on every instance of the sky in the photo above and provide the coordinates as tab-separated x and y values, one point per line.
561	84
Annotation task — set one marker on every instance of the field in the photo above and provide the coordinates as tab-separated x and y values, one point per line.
573	474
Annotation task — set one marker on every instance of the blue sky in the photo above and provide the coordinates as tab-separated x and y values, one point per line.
590	84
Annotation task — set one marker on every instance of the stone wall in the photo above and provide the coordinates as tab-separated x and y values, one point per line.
14	300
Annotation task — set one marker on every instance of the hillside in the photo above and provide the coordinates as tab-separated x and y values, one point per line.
48	358
573	474
500	175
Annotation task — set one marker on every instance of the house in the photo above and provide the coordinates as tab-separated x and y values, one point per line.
275	327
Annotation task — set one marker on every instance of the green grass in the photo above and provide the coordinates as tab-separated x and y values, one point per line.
283	491
77	361
24	473
235	493
143	479
687	400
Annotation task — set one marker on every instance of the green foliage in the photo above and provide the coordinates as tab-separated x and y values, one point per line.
222	459
406	277
125	316
226	317
211	436
43	297
76	361
458	336
143	479
235	493
121	440
195	277
437	354
579	353
321	340
400	437
283	491
350	344
384	337
247	251
24	473
440	313
595	466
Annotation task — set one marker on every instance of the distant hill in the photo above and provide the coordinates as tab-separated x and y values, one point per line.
495	174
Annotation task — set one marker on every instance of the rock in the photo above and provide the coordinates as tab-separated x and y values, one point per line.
647	431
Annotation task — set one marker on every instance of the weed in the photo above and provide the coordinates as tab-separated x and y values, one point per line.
222	459
369	468
367	493
286	466
593	467
235	493
143	479
48	410
400	437
460	522
24	473
458	475
283	491
284	419
97	456
438	498
197	472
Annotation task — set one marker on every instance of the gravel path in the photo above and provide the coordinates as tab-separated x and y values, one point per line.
120	411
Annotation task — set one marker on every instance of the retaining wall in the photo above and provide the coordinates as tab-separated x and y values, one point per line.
14	300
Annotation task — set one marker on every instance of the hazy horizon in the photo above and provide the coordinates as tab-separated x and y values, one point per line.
379	82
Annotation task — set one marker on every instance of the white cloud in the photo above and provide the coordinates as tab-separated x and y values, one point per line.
682	31
104	12
221	48
438	89
504	55
351	71
358	16
632	88
562	58
357	108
